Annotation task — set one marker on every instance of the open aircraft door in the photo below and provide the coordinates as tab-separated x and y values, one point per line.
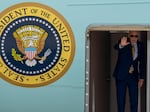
100	93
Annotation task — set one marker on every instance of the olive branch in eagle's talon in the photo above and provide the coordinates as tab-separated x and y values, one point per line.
16	56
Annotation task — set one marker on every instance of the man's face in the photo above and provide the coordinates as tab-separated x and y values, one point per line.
133	35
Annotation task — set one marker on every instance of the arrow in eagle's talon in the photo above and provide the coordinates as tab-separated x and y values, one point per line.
47	53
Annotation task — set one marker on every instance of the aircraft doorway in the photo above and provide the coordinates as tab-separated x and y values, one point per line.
102	60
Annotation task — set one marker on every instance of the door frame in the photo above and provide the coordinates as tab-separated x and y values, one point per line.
87	58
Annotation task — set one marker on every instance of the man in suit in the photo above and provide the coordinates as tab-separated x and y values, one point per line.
130	70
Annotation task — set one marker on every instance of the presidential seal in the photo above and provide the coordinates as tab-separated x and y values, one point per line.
37	45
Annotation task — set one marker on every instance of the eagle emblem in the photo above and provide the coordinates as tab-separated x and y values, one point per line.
30	40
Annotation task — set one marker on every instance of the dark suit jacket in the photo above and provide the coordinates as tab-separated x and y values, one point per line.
125	60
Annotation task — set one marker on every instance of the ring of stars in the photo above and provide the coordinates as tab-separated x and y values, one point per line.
31	20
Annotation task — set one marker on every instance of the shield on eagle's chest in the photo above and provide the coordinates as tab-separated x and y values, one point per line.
30	52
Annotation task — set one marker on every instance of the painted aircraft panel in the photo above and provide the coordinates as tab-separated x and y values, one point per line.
67	94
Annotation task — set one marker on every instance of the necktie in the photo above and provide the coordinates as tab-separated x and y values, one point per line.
133	51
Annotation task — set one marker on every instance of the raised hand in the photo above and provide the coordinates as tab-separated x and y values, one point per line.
124	41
